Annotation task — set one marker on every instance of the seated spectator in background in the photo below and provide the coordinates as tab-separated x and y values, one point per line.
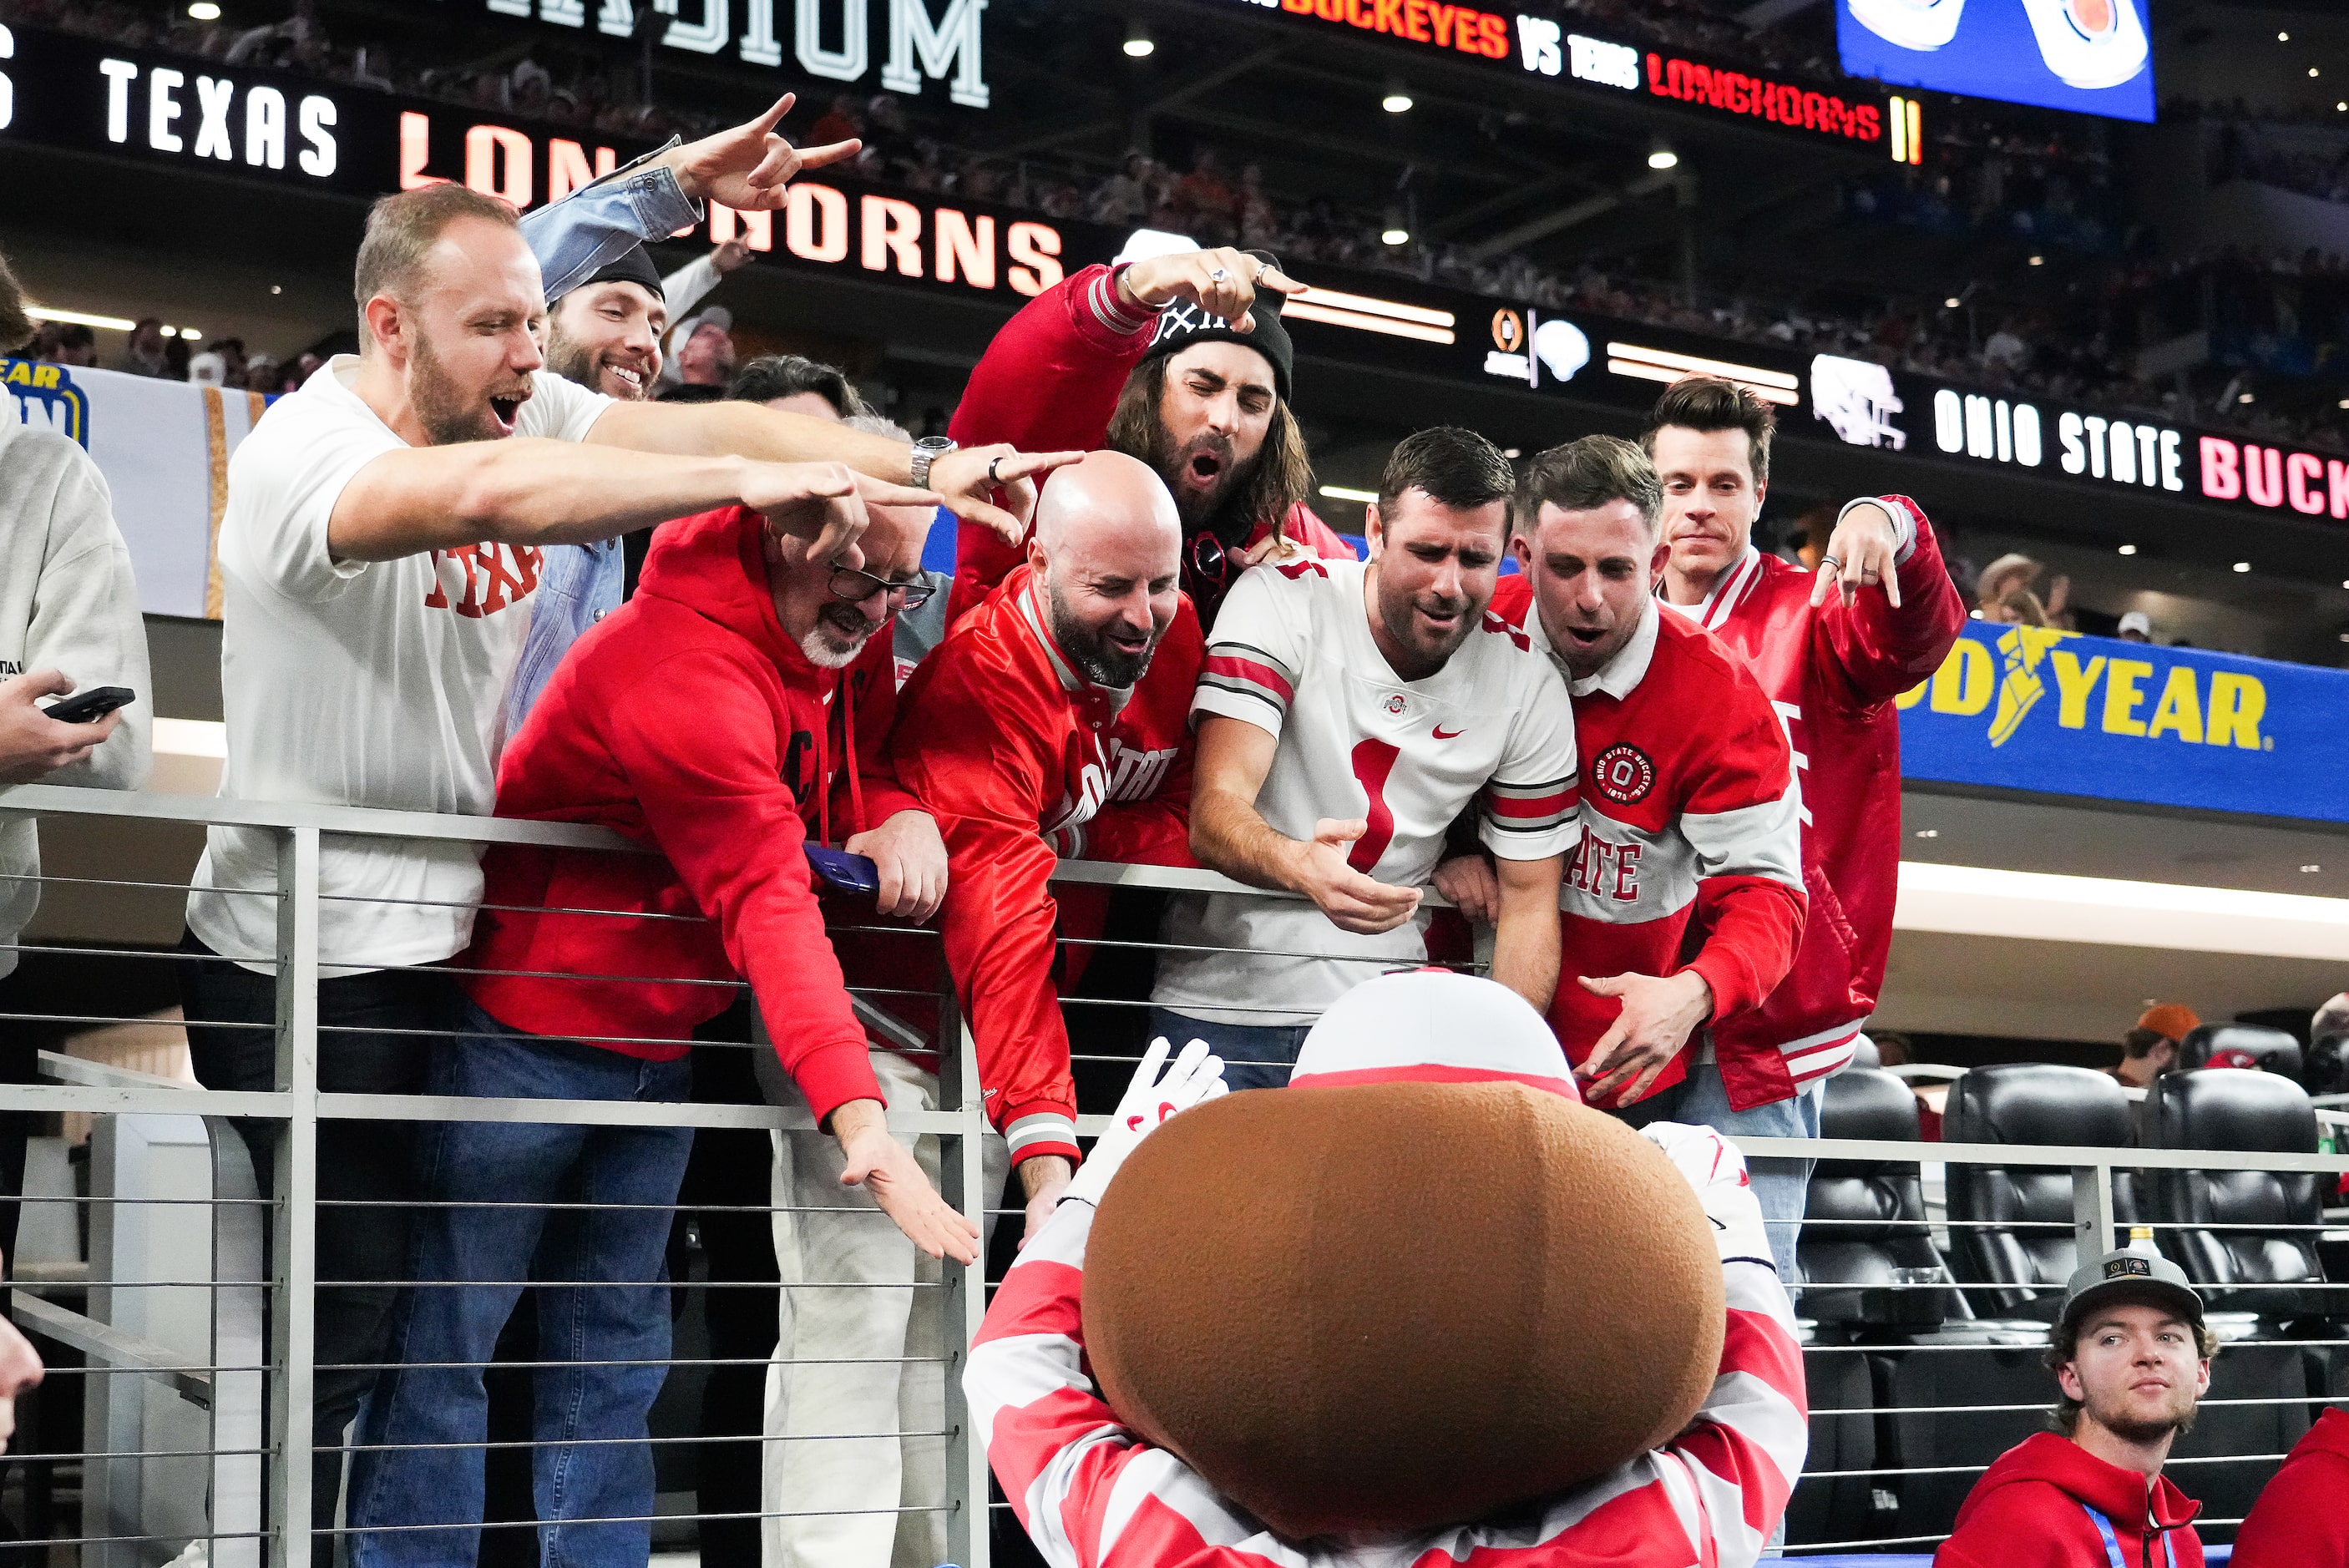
2135	626
735	708
2005	348
2020	607
2132	1359
66	343
2009	574
704	350
222	364
1382	690
1180	361
795	384
144	354
692	282
2302	1520
1053	723
2333	1018
378	530
68	622
2150	1049
1684	897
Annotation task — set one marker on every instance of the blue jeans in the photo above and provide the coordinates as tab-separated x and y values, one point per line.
1781	1185
520	1167
1256	1056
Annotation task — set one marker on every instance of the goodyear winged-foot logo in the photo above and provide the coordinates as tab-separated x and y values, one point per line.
2021	686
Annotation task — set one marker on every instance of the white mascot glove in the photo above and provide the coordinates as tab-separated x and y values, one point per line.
1714	1167
1195	1077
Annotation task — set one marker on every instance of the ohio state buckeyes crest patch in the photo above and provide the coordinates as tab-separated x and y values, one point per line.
1623	774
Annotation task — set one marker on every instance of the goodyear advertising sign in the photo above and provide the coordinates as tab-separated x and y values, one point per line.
2032	708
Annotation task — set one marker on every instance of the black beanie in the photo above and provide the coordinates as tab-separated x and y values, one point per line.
1183	324
633	266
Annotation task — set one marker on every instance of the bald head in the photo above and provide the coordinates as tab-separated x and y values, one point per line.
1107	547
1106	499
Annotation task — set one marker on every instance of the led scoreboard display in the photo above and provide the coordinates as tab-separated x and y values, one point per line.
1542	46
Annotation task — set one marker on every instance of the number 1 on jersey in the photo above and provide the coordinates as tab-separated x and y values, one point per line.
1373	761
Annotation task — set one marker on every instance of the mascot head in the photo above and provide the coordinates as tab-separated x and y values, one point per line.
1421	1285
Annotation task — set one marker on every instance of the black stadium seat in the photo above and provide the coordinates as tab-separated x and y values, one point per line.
2240	1045
2011	1225
1873	1213
2237	1248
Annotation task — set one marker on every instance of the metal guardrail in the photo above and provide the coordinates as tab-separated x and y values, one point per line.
297	1106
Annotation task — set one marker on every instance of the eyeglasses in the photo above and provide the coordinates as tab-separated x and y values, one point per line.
849	584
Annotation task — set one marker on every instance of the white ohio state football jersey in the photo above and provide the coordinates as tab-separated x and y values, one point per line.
1291	653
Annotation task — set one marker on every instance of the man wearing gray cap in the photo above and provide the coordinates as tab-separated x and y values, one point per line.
2131	1358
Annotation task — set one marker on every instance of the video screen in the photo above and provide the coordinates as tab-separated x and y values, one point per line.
2091	57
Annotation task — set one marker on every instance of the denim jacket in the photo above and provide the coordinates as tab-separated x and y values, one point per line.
579	584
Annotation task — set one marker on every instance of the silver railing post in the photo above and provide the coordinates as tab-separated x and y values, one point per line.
2093	1217
961	1173
294	1260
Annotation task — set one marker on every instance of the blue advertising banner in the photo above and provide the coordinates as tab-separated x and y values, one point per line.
2090	57
2029	708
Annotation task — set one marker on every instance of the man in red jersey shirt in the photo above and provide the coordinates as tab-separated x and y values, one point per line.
1181	361
1832	651
735	708
1689	808
2132	1358
1053	721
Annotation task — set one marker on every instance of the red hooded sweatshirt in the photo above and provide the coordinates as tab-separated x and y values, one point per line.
2302	1520
688	722
2031	1511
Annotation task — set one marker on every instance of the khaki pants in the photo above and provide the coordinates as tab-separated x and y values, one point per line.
837	1367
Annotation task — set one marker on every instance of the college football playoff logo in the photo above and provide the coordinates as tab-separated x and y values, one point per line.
1623	774
1509	331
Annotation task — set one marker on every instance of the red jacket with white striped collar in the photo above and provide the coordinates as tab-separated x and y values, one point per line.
1022	760
1049	383
1690	833
1832	672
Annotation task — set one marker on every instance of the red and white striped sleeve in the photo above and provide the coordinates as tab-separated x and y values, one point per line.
1091	1494
1532	803
1256	651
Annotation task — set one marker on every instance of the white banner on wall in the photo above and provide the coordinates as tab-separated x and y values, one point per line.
163	446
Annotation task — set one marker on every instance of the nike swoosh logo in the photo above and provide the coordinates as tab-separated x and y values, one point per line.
1440	734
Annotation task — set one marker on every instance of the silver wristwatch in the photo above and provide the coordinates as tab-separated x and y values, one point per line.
927	450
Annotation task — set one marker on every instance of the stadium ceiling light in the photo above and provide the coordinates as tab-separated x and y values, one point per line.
2242	567
2305	870
204	11
1662	157
1138	43
79	318
2244	397
1395	236
1341	492
2129	549
1972	900
2038	261
1397	101
1928	832
1512	453
2283	37
2342	404
2312	70
1953	302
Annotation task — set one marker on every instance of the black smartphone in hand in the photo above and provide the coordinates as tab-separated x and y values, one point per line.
91	706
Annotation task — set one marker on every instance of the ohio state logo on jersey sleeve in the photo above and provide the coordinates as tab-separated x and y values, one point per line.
1623	774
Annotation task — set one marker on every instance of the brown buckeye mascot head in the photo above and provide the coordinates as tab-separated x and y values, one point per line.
1423	1284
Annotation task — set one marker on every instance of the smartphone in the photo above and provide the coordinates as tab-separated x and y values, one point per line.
839	869
91	706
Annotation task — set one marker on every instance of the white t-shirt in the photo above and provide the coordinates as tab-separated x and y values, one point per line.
1292	653
358	683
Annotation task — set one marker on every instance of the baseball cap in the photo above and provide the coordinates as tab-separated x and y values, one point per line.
2170	1020
2132	1273
2137	621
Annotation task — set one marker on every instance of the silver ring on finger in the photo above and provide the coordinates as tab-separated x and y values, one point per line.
992	477
1869	575
1218	275
1835	561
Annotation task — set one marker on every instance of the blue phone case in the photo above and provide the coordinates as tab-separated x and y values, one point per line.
838	868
